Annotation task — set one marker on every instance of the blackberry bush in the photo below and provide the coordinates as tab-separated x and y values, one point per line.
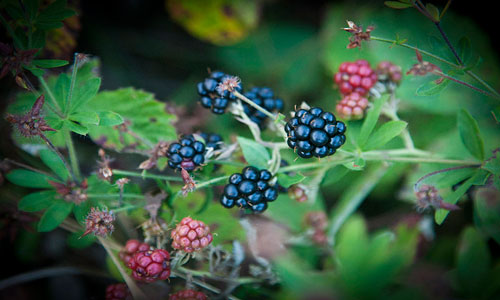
187	154
250	189
213	98
314	132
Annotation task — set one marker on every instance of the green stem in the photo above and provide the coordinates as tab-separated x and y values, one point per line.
72	84
484	83
257	107
211	181
72	154
150	176
422	160
466	84
57	109
132	196
315	165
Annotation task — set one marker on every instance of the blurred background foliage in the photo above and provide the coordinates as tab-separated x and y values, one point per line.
294	47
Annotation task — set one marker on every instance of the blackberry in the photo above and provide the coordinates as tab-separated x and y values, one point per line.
315	132
187	153
356	77
211	97
263	97
212	140
249	189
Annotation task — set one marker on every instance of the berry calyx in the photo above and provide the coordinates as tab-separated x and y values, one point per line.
352	107
188	295
212	96
264	97
191	235
249	189
118	291
150	265
314	132
356	77
187	154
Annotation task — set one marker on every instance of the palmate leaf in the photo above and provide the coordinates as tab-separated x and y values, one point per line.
143	115
255	154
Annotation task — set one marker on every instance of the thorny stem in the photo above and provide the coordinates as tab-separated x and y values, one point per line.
257	107
465	84
72	154
468	72
146	175
211	181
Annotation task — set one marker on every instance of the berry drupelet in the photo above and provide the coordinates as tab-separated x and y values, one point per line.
131	247
188	295
352	107
187	154
118	291
213	98
249	189
356	77
212	140
263	97
315	132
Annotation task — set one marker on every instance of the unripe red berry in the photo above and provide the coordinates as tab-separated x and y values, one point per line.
191	235
150	265
118	291
387	71
355	77
188	295
131	247
352	107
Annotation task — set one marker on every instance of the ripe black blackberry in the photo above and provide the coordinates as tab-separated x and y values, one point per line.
249	189
212	140
264	97
315	132
213	98
186	154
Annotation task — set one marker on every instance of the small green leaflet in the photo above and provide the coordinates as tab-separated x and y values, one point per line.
255	154
470	134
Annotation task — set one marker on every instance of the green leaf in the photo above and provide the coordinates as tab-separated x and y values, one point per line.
357	165
31	7
84	92
371	120
82	210
52	15
28	178
109	118
433	11
61	89
54	215
334	174
487	211
473	262
479	177
493	164
37	201
431	88
75	240
49	63
54	162
291	213
255	154
85	117
77	128
287	180
34	70
397	5
470	134
384	134
146	118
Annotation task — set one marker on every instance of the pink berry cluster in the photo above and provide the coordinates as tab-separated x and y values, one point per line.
147	264
354	79
191	235
188	295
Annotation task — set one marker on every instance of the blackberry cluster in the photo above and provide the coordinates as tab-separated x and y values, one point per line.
212	140
186	154
264	97
355	77
315	132
249	189
211	97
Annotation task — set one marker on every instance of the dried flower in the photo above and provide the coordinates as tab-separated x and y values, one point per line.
357	34
428	197
189	184
104	172
32	123
71	192
158	151
228	83
423	68
122	182
99	222
155	230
